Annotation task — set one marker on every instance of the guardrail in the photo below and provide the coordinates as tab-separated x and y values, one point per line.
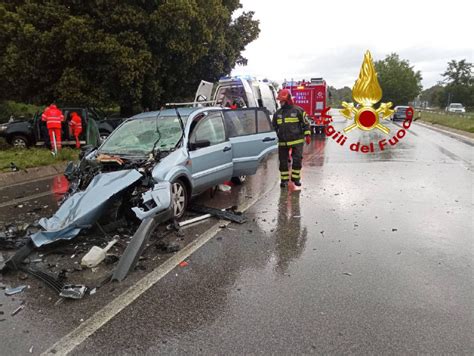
468	115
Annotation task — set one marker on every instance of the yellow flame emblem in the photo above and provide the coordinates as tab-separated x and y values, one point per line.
367	92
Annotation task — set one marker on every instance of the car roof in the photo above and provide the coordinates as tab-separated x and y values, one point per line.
401	107
184	111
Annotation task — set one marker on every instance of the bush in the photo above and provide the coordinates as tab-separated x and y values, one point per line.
8	108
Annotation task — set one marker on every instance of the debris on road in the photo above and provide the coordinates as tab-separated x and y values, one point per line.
194	220
168	247
347	273
73	291
224	188
183	264
96	255
17	310
221	214
15	290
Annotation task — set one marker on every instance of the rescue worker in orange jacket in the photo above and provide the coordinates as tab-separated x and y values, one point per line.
54	119
292	127
75	126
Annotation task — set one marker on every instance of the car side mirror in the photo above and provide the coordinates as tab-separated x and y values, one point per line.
199	144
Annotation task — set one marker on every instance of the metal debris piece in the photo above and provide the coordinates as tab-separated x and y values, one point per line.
73	291
15	290
194	220
138	242
15	261
347	273
17	310
227	215
52	281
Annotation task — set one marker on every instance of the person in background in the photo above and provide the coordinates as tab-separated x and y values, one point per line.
54	119
75	126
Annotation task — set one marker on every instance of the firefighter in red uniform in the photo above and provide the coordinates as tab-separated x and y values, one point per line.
75	126
292	128
54	118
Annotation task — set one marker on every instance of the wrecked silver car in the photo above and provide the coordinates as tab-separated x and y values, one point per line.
146	172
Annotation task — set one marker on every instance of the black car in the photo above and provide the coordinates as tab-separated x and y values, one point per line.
33	132
399	113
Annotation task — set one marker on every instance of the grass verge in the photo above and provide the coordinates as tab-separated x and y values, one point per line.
460	122
34	157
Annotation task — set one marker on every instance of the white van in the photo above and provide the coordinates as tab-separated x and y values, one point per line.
240	92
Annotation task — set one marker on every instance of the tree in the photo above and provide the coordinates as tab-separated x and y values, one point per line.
400	83
133	53
433	95
339	95
458	73
459	84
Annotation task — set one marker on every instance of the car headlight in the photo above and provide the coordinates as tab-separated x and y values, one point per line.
3	127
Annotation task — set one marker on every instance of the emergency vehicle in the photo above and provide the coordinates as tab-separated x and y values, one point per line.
312	97
238	92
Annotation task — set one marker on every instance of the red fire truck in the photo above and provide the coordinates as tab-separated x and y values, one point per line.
311	96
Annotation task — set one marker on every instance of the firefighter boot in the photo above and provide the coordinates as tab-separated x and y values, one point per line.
297	182
284	184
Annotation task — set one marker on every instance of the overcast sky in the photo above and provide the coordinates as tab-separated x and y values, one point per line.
313	38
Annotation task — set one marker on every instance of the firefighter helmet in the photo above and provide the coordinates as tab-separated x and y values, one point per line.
285	95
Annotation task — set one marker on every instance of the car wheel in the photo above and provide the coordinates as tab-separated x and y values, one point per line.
19	142
239	180
179	196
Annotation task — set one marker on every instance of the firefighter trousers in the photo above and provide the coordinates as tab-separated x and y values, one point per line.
296	157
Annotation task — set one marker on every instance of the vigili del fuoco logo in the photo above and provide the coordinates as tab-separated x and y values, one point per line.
366	93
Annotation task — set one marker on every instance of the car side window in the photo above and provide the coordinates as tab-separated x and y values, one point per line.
209	128
263	122
241	122
247	122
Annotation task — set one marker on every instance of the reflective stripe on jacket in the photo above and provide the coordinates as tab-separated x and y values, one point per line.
76	123
291	125
53	117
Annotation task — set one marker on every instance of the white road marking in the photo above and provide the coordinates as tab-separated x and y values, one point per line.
21	200
70	341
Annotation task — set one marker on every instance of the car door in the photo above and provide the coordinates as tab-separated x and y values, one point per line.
252	137
209	151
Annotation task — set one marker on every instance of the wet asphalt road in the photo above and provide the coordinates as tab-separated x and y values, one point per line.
373	255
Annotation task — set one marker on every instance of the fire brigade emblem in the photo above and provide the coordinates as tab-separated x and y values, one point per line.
367	92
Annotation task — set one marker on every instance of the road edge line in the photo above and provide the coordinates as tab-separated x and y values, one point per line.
78	335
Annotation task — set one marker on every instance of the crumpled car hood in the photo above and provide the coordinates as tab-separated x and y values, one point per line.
82	209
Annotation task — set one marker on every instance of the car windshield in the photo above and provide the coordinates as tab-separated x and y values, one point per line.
402	108
138	136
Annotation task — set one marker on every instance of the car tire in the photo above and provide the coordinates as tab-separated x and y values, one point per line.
19	141
239	180
179	198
